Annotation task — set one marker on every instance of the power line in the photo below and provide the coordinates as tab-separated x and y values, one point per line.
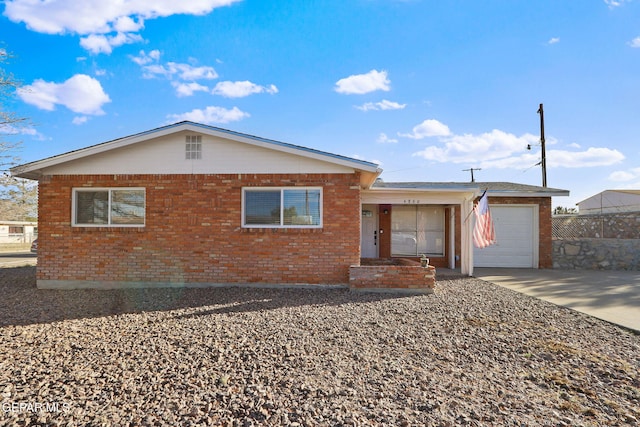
472	169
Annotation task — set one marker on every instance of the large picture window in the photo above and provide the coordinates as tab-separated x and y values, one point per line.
118	207
282	207
417	230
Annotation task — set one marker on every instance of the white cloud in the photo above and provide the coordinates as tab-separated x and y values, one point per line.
126	24
614	3
560	159
188	89
382	105
79	120
622	176
592	156
426	129
241	89
210	115
144	58
554	40
499	149
384	139
180	71
363	83
100	17
99	43
635	42
182	76
7	129
80	94
151	67
470	148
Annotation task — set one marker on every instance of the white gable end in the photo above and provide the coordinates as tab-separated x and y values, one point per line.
167	155
219	151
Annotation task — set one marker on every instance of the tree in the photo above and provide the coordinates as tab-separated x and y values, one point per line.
18	197
10	122
559	210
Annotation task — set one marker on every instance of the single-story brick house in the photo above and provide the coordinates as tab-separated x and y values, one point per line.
194	204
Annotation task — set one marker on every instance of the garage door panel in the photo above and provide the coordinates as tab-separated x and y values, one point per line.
515	238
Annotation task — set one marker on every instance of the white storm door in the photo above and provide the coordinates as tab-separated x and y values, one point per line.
369	232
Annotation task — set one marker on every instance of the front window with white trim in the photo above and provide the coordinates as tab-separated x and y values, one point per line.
108	207
417	230
288	207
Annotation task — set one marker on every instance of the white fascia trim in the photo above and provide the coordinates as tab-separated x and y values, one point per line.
378	196
425	190
520	194
30	170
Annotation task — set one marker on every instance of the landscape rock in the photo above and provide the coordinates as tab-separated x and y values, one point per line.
471	353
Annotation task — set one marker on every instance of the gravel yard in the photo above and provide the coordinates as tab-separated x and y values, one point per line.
471	353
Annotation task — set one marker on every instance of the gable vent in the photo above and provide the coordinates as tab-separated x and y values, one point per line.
193	147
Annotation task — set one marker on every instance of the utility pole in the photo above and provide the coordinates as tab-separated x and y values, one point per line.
544	155
472	169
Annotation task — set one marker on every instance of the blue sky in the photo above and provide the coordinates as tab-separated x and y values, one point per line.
425	88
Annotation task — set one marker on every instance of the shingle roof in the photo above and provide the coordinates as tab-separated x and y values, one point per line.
503	188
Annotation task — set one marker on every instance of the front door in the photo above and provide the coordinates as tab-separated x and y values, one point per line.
369	232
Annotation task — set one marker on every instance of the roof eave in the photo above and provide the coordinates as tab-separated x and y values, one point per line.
560	193
34	169
426	190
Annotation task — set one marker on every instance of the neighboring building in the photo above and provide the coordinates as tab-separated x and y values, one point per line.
18	231
610	201
195	204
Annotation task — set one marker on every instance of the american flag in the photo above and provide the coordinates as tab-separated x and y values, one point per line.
483	233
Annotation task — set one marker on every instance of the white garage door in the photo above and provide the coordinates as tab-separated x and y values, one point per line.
516	236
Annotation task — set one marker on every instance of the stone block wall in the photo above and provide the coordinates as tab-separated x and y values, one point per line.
607	226
596	254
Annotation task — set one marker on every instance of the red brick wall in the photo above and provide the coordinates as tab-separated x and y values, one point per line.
193	233
405	276
544	216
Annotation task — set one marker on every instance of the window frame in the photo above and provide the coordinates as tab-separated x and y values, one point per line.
417	232
282	210
109	190
193	147
16	230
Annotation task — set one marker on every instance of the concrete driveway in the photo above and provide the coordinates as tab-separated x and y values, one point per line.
613	296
